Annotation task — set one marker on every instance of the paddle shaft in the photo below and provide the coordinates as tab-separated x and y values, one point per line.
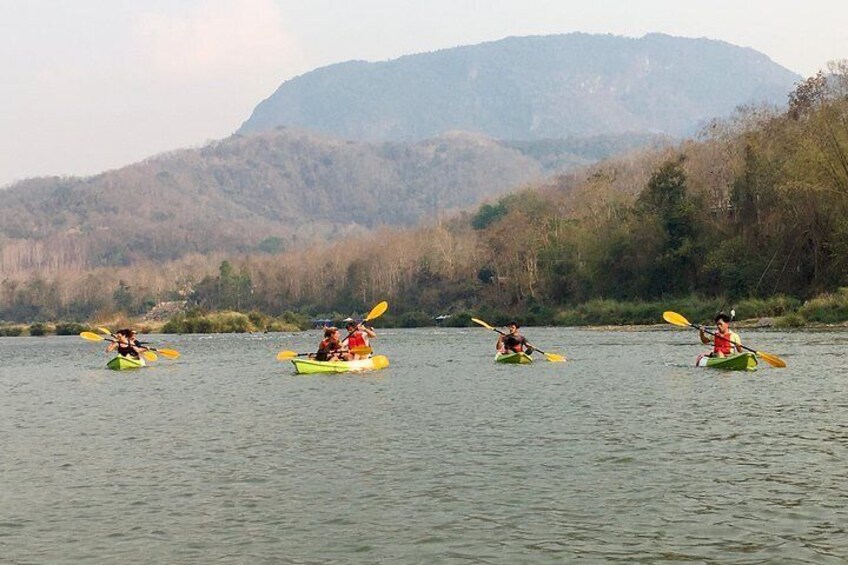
706	331
365	350
141	344
375	312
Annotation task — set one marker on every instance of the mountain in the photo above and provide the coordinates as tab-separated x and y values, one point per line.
531	88
265	192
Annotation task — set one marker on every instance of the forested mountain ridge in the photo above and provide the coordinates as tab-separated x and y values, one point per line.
755	211
265	192
531	88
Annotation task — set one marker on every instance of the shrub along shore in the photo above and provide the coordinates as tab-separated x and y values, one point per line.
826	310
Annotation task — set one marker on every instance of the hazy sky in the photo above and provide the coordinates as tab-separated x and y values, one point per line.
88	85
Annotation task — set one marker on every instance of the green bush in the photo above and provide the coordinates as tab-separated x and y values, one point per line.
11	331
487	215
827	308
494	317
280	326
38	329
766	307
415	320
790	321
603	312
71	328
296	319
459	320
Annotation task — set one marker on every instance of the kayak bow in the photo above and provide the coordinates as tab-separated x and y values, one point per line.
121	363
519	358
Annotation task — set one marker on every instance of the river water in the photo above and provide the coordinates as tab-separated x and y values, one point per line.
624	453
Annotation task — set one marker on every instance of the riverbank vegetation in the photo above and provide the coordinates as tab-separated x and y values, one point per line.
752	216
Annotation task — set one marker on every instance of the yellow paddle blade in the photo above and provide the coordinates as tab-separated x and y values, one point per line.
380	361
91	336
285	355
772	360
149	355
361	350
675	318
168	353
377	311
555	358
104	331
482	323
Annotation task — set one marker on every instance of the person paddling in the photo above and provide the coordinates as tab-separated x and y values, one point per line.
513	342
330	348
126	344
358	335
726	342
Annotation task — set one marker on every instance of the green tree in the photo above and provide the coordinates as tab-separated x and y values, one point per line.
666	202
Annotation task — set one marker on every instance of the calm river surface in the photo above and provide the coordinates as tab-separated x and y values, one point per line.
625	453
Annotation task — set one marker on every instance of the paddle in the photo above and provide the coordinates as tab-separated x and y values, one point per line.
375	312
91	336
149	354
286	355
678	320
166	353
552	357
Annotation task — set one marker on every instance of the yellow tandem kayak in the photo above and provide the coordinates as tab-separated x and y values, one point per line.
311	366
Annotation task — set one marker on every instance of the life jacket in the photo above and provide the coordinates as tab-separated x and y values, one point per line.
326	349
725	344
513	343
356	339
127	350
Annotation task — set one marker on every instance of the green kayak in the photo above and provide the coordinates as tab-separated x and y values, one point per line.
513	358
736	362
311	366
121	363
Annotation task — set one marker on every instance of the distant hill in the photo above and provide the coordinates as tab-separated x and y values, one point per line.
531	88
265	192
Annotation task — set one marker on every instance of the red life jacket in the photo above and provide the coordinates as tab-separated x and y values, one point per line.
724	344
356	339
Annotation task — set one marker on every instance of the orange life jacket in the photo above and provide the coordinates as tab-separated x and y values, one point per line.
356	339
724	343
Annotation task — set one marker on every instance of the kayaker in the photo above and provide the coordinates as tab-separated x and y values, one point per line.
126	344
725	341
513	342
358	335
330	348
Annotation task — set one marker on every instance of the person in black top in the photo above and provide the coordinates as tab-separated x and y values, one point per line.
331	349
126	344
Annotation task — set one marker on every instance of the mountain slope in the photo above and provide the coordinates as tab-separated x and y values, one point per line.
264	192
530	88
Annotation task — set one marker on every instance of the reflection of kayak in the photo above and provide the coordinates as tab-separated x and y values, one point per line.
735	362
120	363
311	366
513	358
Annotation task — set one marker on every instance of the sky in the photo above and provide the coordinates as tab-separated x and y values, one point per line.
92	85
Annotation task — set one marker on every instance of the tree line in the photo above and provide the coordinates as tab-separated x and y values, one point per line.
757	207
